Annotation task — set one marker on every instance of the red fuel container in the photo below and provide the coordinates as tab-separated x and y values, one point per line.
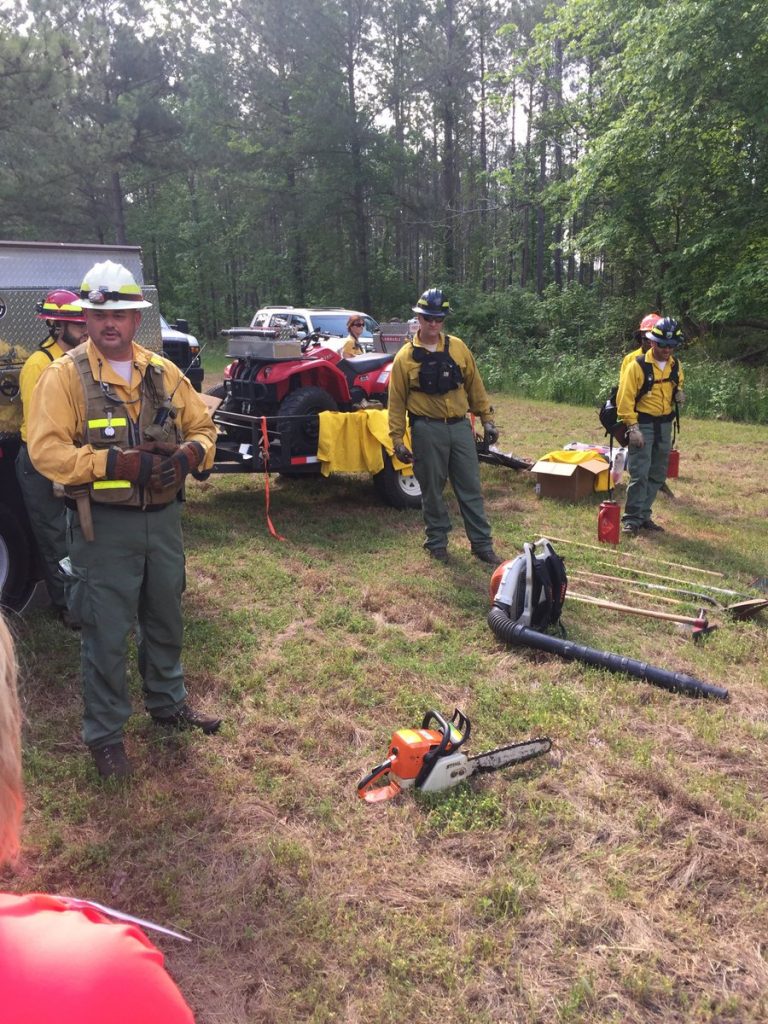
608	519
673	466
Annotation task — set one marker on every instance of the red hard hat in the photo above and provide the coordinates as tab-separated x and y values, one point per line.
648	322
61	304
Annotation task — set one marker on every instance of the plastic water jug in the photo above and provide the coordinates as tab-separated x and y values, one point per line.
673	466
608	519
617	466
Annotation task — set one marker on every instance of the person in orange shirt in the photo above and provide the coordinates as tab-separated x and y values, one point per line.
64	960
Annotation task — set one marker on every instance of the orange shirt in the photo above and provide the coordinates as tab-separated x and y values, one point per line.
78	967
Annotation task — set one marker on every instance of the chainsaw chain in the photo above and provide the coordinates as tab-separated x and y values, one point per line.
544	744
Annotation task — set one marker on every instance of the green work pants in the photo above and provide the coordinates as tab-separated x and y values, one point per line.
647	472
131	574
48	516
441	452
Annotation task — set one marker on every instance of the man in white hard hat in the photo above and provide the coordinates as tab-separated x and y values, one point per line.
121	426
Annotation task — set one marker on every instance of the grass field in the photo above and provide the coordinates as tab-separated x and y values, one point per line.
621	878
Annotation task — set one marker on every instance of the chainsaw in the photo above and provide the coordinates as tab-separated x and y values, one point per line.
429	759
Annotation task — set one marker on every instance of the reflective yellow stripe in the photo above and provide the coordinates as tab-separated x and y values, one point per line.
104	485
116	421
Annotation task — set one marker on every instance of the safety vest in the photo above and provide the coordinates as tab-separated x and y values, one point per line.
108	424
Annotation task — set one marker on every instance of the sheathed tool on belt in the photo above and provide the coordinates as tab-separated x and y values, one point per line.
81	496
429	759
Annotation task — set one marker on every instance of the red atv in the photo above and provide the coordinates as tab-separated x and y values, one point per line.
289	381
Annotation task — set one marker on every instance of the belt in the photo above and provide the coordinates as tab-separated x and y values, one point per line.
70	503
438	419
645	417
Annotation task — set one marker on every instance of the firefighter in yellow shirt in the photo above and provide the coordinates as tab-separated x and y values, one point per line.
47	514
650	390
436	381
352	346
121	428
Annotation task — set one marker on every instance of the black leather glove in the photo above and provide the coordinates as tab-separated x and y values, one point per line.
131	464
171	471
490	432
403	454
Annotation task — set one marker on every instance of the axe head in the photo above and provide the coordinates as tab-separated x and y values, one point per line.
702	628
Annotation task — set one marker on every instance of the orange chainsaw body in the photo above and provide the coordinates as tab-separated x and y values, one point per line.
405	759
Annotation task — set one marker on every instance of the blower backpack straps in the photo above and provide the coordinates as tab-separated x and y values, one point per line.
608	413
533	586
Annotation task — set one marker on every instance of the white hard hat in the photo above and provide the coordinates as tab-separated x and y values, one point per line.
109	285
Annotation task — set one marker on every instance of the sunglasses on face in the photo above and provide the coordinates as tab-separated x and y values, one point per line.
431	319
357	323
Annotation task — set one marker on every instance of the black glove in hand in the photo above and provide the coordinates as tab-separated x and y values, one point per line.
170	472
403	454
131	464
490	433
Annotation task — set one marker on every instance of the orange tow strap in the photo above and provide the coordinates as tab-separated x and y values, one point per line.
265	459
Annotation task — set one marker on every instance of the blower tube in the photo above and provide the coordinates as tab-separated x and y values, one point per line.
513	633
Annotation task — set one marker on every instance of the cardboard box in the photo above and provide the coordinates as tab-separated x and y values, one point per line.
568	481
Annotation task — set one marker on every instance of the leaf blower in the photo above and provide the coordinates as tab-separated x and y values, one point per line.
527	596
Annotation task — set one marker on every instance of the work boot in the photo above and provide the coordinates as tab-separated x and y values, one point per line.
487	555
652	527
187	718
111	761
631	528
439	554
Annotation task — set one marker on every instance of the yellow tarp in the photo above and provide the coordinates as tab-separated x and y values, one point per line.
351	442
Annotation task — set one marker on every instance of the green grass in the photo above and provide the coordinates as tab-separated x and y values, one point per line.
619	879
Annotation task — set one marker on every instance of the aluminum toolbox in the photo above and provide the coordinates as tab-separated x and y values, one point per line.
261	343
29	270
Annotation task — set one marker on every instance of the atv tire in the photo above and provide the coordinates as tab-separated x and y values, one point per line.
397	490
301	436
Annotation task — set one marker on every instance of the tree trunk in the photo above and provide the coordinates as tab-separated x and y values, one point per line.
118	210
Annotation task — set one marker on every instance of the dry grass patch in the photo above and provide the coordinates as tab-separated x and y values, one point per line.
620	879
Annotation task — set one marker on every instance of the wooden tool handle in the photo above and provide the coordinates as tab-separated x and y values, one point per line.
648	612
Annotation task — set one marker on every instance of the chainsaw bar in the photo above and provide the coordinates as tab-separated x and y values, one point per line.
515	753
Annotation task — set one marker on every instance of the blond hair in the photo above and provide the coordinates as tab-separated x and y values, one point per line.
11	799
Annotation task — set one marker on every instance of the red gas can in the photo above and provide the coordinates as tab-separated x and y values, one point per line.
608	519
673	466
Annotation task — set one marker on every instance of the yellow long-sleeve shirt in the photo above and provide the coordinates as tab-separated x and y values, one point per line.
351	348
30	374
656	402
630	357
57	415
470	397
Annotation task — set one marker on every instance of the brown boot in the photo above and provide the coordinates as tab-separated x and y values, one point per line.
111	761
